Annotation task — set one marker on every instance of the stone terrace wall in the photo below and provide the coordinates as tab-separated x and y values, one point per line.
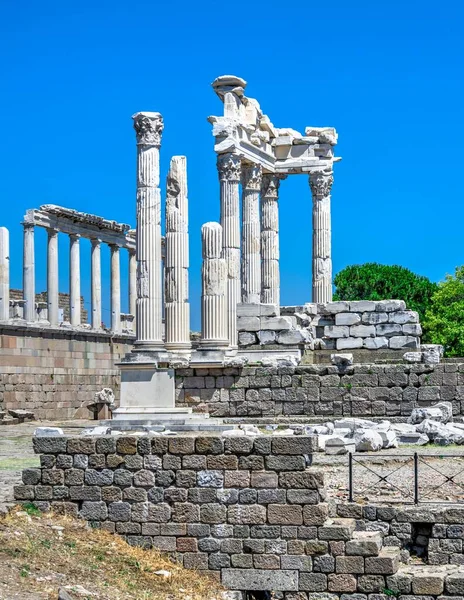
435	532
52	372
321	391
386	324
247	509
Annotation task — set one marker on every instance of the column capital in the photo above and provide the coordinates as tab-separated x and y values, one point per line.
148	128
252	176
75	237
52	231
28	224
95	242
320	183
229	167
115	246
270	185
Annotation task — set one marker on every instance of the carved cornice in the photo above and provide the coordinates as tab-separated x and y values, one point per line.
320	183
270	185
252	176
229	167
148	128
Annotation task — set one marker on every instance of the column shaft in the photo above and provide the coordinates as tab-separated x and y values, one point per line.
214	332
4	274
251	238
270	253
177	307
96	284
148	127
74	280
29	273
229	175
321	184
115	290
132	282
52	277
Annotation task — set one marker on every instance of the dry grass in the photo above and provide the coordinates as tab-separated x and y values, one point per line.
41	552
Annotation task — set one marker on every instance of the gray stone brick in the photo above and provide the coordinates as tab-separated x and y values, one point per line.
119	511
49	445
137	495
93	511
214	479
324	564
312	582
349	564
285	463
252	514
93	477
256	579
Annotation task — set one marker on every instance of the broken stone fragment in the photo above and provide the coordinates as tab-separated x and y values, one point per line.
341	359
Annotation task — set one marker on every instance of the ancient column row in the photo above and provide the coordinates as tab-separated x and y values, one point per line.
4	274
74	280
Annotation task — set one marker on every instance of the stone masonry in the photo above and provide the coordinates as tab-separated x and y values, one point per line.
247	509
361	390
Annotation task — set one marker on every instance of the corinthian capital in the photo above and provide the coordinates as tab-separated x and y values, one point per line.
148	128
320	183
229	167
251	177
270	185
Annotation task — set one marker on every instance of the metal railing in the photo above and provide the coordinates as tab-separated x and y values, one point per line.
413	484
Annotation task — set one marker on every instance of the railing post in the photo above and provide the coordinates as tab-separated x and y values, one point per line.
416	478
350	477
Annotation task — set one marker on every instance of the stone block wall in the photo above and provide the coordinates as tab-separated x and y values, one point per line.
16	296
247	509
385	324
52	372
362	390
433	532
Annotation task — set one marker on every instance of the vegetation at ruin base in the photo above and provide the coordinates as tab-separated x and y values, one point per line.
444	319
41	552
372	281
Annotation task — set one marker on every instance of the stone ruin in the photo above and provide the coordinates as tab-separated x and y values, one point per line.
247	505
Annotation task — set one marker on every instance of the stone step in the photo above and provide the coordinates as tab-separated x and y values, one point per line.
430	580
386	563
364	543
337	529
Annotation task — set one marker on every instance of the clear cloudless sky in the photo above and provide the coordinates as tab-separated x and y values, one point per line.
387	75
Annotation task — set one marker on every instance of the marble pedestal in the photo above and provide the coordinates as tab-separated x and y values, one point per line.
147	393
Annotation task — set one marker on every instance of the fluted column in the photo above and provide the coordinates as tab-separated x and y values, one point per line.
4	274
132	282
148	128
52	277
177	307
115	289
214	332
229	168
74	280
251	238
321	183
270	253
96	284
29	273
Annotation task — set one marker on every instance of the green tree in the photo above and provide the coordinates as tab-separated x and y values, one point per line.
371	281
444	320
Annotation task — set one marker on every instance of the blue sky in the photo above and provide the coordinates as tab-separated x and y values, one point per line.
387	75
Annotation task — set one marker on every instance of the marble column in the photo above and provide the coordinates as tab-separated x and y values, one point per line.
229	167
52	277
96	284
74	280
115	289
321	183
177	307
132	282
29	272
270	254
148	128
4	274
251	238
214	330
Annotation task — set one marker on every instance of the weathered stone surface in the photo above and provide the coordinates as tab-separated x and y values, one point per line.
255	579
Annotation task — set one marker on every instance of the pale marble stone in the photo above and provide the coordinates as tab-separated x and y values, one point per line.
96	284
321	183
74	280
251	235
4	274
347	319
115	289
148	128
29	272
177	306
270	253
52	277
